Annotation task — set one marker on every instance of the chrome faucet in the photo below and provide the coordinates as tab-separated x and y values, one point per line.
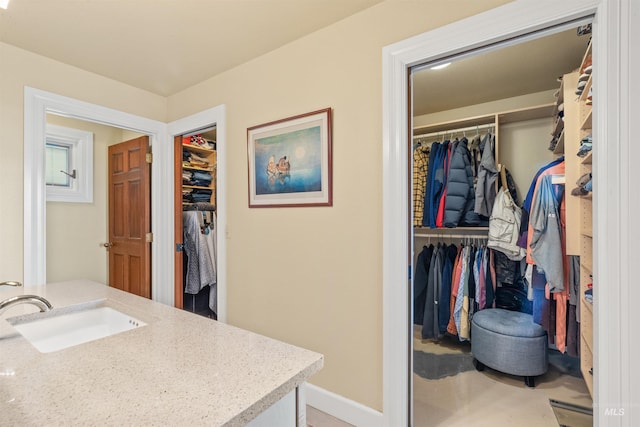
36	300
10	283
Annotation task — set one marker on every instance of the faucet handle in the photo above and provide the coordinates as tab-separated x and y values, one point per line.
10	283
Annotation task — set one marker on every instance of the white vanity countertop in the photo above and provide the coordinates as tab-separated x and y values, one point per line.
179	369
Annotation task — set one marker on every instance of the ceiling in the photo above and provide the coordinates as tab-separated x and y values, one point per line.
524	68
164	46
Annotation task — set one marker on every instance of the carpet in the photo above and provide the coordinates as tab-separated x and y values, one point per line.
564	363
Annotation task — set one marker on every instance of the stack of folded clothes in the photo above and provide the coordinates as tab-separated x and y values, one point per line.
585	73
194	160
588	293
584	185
197	178
199	141
586	145
196	195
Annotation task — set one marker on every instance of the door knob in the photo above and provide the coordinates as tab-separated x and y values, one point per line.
107	245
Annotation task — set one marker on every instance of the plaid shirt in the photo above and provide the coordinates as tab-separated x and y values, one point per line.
420	164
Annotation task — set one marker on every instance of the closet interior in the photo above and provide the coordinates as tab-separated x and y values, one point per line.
195	222
502	214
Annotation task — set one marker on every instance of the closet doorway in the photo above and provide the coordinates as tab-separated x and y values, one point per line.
518	108
208	127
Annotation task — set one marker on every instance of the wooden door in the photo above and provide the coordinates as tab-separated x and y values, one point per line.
130	217
178	233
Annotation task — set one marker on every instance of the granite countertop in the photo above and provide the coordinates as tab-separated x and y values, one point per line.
179	369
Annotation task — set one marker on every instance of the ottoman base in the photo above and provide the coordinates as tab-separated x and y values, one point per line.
511	354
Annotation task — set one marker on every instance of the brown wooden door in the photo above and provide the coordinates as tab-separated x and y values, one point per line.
178	234
130	217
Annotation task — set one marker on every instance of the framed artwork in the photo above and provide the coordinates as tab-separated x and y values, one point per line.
290	161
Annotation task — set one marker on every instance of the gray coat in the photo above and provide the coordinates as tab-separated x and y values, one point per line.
460	191
487	175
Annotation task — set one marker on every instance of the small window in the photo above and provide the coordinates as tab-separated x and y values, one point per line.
69	165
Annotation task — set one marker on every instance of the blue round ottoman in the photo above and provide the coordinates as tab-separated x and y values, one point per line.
509	342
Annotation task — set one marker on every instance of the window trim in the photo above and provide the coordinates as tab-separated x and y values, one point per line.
80	145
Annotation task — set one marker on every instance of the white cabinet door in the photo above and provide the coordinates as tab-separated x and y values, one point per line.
281	414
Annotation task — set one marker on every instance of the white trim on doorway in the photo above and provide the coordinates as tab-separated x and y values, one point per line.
37	103
614	205
204	119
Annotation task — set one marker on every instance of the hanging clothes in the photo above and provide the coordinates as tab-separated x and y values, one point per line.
546	241
200	249
430	326
526	205
420	166
487	176
460	190
504	226
444	309
436	182
420	281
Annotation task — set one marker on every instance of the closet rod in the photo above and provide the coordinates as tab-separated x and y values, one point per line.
453	236
451	131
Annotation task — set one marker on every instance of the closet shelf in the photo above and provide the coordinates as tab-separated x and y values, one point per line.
587	53
587	266
195	168
197	149
196	187
559	127
560	145
586	123
524	114
588	305
444	230
587	233
560	99
588	158
521	114
585	91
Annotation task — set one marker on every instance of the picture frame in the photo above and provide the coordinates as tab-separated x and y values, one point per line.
290	161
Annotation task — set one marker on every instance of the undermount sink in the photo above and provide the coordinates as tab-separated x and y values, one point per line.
69	326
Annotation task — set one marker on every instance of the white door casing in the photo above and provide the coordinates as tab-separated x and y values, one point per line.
37	103
204	119
613	212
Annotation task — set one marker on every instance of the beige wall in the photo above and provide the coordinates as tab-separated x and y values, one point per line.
19	68
313	276
309	276
524	150
522	101
76	231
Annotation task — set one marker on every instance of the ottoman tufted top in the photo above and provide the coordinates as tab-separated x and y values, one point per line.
505	322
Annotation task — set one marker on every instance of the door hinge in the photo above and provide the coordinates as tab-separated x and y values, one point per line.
149	157
149	237
179	247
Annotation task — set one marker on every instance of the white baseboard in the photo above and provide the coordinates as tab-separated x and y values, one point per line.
340	407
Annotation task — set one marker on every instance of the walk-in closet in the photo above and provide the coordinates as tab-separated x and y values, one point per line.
502	302
196	227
